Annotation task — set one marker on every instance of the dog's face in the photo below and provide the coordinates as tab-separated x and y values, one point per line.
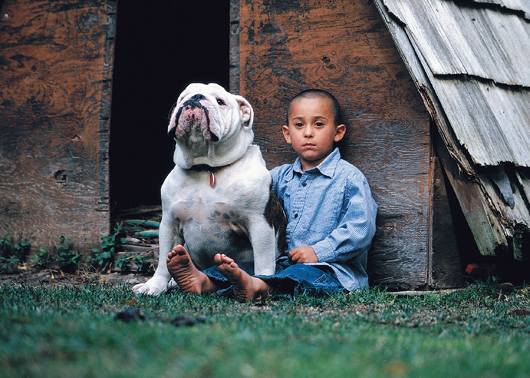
210	126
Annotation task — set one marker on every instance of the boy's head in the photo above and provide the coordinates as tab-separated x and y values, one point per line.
313	126
322	94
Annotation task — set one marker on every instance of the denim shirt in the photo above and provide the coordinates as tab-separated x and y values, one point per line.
329	208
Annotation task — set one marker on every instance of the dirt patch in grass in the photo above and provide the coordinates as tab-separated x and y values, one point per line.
34	276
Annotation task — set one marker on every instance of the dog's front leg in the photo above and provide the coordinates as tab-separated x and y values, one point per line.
168	238
263	240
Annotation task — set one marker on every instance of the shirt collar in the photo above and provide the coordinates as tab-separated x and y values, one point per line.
326	168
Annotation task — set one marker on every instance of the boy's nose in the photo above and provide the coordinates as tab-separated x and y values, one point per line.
308	131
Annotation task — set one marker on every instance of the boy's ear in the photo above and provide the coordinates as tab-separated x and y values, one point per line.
339	132
286	135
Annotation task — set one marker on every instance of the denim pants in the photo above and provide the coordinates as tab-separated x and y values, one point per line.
288	279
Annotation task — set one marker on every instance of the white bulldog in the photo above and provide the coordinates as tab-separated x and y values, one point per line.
217	199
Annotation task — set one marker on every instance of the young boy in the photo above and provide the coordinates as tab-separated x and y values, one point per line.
330	211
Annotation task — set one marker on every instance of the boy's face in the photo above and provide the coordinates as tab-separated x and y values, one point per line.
312	131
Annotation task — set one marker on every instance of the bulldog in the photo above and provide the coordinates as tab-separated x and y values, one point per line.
218	198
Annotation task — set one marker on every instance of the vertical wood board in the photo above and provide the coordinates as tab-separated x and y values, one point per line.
56	60
447	269
344	47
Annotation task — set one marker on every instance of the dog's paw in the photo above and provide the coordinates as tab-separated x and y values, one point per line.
150	287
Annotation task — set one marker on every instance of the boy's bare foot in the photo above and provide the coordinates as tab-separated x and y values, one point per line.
186	275
246	288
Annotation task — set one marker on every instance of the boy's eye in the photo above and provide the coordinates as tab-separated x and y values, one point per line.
320	124
299	124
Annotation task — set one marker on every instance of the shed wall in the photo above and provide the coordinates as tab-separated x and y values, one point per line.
56	60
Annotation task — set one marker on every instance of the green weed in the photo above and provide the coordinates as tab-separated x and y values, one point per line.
123	262
63	253
12	253
67	257
141	263
43	258
104	256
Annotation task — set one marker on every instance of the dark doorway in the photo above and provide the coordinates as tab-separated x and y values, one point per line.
161	47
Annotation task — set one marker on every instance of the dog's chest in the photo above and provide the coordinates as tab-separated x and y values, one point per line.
213	204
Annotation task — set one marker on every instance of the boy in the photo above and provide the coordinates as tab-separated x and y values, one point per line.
329	207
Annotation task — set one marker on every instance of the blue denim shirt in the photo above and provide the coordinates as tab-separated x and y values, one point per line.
331	209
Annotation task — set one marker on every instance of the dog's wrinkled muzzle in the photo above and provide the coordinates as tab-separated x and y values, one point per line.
193	115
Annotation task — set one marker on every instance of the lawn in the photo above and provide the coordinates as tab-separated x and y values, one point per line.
71	331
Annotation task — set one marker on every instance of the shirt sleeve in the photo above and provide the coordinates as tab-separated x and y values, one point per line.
355	231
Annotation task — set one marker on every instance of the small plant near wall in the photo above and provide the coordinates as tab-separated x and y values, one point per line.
142	264
64	257
67	258
127	263
43	258
12	253
104	256
124	263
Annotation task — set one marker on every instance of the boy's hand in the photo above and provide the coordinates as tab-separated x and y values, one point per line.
303	255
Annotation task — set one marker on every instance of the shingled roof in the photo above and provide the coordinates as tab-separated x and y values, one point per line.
470	61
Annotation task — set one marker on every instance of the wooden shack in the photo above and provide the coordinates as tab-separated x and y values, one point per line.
56	66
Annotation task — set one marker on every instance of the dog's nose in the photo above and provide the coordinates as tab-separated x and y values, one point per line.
197	97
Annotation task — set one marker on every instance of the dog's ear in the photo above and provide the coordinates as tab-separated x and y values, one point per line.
172	122
246	111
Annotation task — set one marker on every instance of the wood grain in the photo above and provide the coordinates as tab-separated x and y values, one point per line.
344	47
55	65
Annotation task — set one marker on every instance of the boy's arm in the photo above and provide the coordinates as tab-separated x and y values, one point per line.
355	231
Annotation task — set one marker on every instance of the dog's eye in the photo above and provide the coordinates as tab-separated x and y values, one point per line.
220	102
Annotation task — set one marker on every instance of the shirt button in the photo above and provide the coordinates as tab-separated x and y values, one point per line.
304	184
295	215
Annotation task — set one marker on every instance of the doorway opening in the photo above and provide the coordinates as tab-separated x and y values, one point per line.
161	47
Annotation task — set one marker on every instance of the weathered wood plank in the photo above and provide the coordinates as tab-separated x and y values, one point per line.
446	264
56	62
486	229
344	47
235	29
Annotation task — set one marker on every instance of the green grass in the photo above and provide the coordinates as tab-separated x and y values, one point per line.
71	332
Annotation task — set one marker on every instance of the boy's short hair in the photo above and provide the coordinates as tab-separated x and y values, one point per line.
319	93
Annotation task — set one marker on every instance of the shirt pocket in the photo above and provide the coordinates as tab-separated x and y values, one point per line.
326	216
